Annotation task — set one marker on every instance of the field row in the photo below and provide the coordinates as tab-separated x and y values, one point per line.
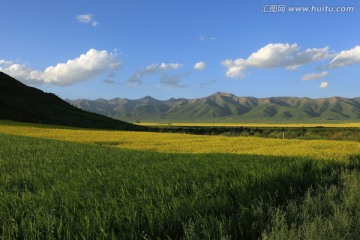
186	143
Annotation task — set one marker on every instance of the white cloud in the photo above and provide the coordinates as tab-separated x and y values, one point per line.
169	66
275	55
272	55
346	58
324	84
84	18
199	66
312	76
136	78
235	69
86	66
6	63
87	19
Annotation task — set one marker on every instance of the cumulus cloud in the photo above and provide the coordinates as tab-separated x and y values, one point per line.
312	76
87	18
136	78
86	66
272	55
346	58
199	66
236	68
275	55
324	84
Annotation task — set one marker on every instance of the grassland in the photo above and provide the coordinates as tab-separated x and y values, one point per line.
68	183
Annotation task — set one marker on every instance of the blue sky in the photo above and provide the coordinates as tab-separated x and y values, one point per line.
130	49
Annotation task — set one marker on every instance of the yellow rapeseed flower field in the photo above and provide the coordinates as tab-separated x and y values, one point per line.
185	143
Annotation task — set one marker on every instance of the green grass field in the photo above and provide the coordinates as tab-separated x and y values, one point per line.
52	189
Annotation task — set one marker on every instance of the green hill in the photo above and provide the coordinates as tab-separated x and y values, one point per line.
226	107
19	102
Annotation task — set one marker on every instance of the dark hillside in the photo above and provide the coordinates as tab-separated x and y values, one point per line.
19	102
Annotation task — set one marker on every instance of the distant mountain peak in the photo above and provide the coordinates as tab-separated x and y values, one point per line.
148	98
225	94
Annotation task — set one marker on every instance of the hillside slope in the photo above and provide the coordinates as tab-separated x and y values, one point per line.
19	102
226	107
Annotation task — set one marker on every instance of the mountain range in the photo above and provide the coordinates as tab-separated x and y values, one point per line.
19	102
23	103
225	107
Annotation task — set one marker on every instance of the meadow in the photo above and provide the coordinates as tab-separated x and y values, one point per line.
67	183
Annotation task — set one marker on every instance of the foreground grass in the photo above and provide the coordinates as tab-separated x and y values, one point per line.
327	213
185	143
60	190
